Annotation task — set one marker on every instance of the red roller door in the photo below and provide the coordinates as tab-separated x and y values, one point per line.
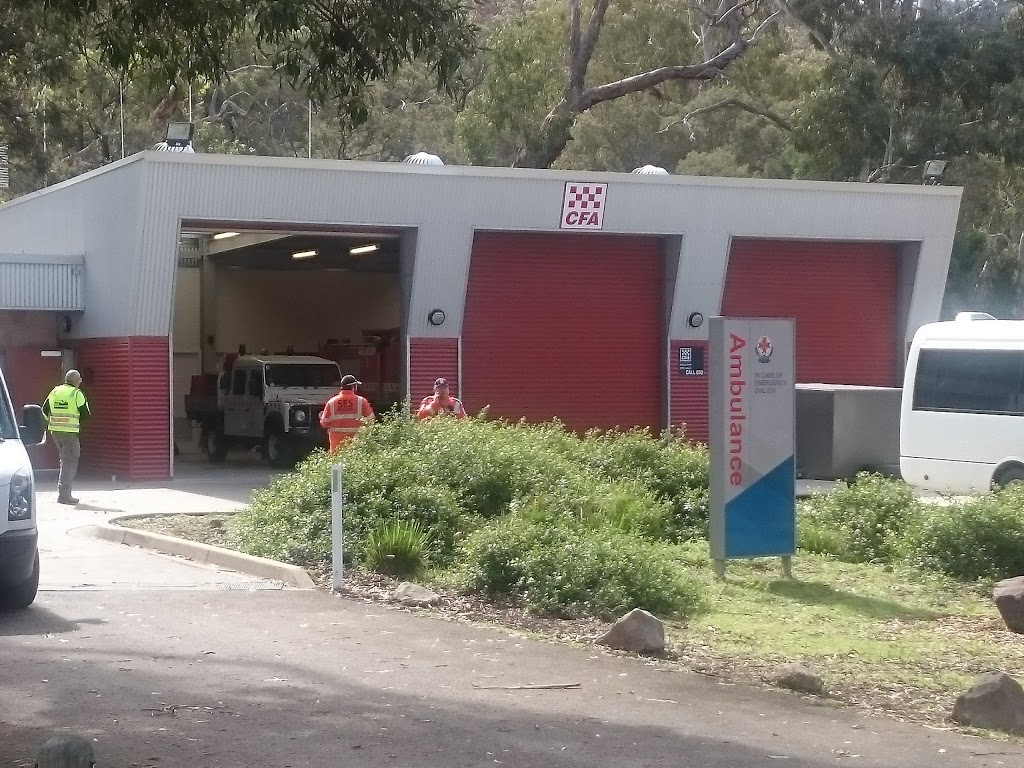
844	299
566	326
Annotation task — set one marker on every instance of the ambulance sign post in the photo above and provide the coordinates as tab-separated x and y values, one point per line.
752	410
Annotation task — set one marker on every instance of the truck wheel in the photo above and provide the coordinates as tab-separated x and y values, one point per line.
21	595
1012	475
278	449
214	445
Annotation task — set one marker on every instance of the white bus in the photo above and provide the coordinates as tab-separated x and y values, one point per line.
962	413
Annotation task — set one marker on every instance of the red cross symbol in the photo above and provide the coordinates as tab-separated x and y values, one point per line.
764	346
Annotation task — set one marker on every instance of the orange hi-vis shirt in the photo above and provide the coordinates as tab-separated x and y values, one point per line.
432	407
343	415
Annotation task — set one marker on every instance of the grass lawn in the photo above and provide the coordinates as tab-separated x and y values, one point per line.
891	640
895	640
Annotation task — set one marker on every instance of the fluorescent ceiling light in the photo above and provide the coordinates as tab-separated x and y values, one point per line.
304	254
364	249
224	235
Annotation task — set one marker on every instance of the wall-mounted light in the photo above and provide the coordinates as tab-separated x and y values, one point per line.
933	171
436	316
363	249
225	235
304	254
695	320
179	134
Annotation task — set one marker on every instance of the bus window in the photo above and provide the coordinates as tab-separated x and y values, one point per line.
970	381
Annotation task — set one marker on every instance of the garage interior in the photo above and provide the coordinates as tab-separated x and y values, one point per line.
336	295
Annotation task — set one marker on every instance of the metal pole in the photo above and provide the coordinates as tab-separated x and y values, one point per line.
337	535
121	85
309	139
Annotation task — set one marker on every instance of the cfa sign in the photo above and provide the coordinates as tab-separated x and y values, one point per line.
583	205
752	410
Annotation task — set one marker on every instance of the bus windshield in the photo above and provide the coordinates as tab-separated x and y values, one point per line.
305	375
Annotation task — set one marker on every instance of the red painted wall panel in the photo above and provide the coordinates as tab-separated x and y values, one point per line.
430	359
30	377
567	327
844	297
127	382
688	395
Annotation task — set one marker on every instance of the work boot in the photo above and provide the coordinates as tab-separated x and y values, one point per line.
64	497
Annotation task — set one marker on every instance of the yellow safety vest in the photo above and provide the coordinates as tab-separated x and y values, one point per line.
66	403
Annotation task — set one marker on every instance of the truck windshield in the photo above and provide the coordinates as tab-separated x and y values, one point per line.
8	431
302	375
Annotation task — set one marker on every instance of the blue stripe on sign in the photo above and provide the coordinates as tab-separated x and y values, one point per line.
761	521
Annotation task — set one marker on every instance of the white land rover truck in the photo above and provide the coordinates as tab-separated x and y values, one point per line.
268	402
19	535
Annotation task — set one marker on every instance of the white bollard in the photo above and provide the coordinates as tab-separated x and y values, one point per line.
337	538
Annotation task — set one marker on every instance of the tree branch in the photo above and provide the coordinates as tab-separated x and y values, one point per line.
731	102
576	72
817	36
705	70
582	44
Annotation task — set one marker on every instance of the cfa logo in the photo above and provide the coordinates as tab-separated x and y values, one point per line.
583	205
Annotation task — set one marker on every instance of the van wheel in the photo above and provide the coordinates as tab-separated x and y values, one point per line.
215	446
1009	476
22	595
278	449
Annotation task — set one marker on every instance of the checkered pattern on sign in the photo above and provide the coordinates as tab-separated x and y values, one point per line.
585	197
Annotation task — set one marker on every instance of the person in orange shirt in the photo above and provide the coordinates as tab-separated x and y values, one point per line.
345	413
441	402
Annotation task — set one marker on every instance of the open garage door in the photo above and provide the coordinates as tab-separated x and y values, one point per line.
286	297
567	327
844	297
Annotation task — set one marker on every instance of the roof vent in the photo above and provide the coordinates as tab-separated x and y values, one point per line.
163	146
423	158
650	170
968	316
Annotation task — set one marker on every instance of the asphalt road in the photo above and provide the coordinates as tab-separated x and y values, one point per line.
224	678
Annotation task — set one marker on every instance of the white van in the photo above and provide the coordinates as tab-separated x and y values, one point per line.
962	411
19	536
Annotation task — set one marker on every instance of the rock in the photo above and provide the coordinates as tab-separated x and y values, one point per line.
797	677
414	595
637	631
68	751
995	700
1009	597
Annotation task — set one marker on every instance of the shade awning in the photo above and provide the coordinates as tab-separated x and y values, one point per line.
42	283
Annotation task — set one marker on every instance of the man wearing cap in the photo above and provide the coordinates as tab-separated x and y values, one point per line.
345	413
65	408
441	402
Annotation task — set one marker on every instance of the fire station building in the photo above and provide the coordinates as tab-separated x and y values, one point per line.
538	293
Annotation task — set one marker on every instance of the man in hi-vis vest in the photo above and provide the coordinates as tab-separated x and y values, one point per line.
65	409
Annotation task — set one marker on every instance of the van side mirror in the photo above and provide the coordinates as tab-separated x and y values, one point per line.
33	431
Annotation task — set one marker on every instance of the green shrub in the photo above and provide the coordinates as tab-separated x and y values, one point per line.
978	538
563	569
396	548
860	521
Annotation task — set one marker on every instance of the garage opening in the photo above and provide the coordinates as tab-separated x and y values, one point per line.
566	326
262	317
844	296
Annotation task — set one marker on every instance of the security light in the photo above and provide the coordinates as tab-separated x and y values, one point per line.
933	171
179	134
225	235
363	249
304	254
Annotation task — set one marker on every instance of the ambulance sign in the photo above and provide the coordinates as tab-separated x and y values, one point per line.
753	477
583	205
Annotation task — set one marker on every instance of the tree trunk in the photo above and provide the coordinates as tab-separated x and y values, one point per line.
552	138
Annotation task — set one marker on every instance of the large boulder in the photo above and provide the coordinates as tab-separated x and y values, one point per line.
638	631
995	701
68	751
797	677
1009	597
414	595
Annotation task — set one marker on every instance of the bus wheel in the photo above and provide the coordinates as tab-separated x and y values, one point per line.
1009	476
